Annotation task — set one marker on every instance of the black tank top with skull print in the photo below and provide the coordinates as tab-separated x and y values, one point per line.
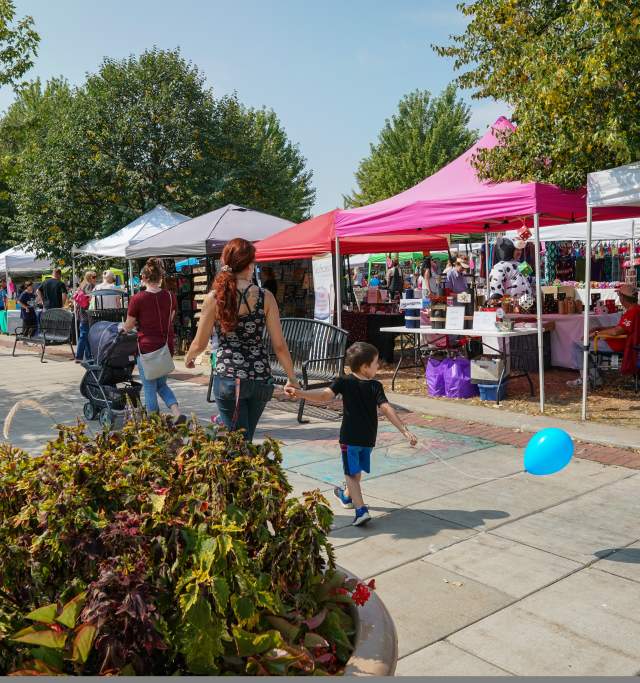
242	353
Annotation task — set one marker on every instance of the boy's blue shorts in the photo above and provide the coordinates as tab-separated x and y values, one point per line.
355	459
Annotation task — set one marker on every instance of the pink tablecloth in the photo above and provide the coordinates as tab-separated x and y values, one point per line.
568	330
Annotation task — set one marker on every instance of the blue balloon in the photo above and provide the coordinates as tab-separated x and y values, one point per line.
548	451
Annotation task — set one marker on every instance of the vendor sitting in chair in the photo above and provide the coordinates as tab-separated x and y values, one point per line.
619	339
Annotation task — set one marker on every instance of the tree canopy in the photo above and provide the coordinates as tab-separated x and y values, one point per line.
424	135
569	69
142	131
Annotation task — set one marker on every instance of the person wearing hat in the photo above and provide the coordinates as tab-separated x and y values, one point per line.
456	281
609	338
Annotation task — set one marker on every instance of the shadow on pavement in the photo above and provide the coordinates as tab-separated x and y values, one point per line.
629	555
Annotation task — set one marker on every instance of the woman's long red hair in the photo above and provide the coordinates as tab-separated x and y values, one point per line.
237	255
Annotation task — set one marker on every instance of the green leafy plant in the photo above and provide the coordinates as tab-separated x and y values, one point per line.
174	550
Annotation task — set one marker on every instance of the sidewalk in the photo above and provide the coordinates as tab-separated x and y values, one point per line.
485	569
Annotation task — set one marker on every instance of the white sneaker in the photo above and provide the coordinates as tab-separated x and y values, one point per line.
573	383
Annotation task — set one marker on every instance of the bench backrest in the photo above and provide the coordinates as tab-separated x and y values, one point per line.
112	315
311	339
56	324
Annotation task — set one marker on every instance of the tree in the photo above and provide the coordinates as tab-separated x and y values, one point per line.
18	44
569	69
18	47
421	138
142	131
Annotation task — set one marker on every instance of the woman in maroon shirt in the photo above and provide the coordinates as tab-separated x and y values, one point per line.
152	312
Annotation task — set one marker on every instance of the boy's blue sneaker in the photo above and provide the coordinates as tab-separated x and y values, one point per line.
362	516
347	503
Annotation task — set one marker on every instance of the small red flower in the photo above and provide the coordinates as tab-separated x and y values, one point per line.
204	506
361	594
372	584
161	491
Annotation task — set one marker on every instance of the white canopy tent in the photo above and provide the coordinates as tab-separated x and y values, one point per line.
614	187
207	234
19	262
621	230
151	223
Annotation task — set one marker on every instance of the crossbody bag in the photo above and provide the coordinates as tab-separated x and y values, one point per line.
158	363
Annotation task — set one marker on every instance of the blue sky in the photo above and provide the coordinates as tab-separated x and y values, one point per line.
333	70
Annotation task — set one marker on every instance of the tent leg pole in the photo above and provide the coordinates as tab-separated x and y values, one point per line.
338	284
536	225
587	303
130	273
76	317
487	267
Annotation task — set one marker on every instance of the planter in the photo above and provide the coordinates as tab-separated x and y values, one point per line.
376	651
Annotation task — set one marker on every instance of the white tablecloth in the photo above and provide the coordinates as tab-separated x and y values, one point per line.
568	330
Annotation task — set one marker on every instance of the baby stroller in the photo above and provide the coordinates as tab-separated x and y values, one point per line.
107	383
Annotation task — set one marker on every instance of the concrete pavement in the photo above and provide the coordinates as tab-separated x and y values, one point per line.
486	570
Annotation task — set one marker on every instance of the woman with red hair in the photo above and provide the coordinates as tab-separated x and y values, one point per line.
239	311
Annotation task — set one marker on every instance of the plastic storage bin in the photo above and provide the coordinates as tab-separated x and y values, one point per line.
489	392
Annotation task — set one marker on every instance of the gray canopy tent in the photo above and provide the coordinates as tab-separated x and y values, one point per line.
614	187
207	234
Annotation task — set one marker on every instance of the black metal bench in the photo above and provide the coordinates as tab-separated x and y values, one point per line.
317	350
56	329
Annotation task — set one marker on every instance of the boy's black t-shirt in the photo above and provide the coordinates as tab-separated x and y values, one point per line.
360	398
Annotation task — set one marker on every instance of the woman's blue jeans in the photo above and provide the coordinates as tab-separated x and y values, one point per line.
152	389
83	351
249	401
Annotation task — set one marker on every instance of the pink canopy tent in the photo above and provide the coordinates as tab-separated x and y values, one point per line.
454	197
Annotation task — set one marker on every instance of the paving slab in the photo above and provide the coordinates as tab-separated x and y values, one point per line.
507	499
595	605
526	644
439	478
427	604
395	538
444	659
510	567
579	529
321	459
623	562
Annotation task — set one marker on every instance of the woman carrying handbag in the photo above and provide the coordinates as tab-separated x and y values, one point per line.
151	312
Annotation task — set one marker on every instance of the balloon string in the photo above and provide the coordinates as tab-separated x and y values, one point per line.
444	462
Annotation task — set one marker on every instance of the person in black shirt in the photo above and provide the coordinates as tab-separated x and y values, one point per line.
362	395
53	292
27	301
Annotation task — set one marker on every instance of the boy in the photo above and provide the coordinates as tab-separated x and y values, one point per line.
362	395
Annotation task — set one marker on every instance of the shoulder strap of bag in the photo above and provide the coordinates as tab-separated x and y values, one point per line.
166	340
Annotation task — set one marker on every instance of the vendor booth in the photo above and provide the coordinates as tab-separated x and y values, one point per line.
312	245
202	238
454	199
151	223
18	262
606	190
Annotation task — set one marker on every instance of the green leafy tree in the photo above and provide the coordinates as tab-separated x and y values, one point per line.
18	44
426	133
569	69
142	131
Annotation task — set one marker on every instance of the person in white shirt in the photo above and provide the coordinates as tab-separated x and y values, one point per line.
108	300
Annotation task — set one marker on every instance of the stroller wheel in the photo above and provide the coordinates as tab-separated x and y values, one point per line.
90	411
106	418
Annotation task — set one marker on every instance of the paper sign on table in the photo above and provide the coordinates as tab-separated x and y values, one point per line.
484	321
455	318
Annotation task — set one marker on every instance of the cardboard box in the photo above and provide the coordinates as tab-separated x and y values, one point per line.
487	369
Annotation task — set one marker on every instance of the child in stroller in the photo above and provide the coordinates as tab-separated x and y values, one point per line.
107	383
